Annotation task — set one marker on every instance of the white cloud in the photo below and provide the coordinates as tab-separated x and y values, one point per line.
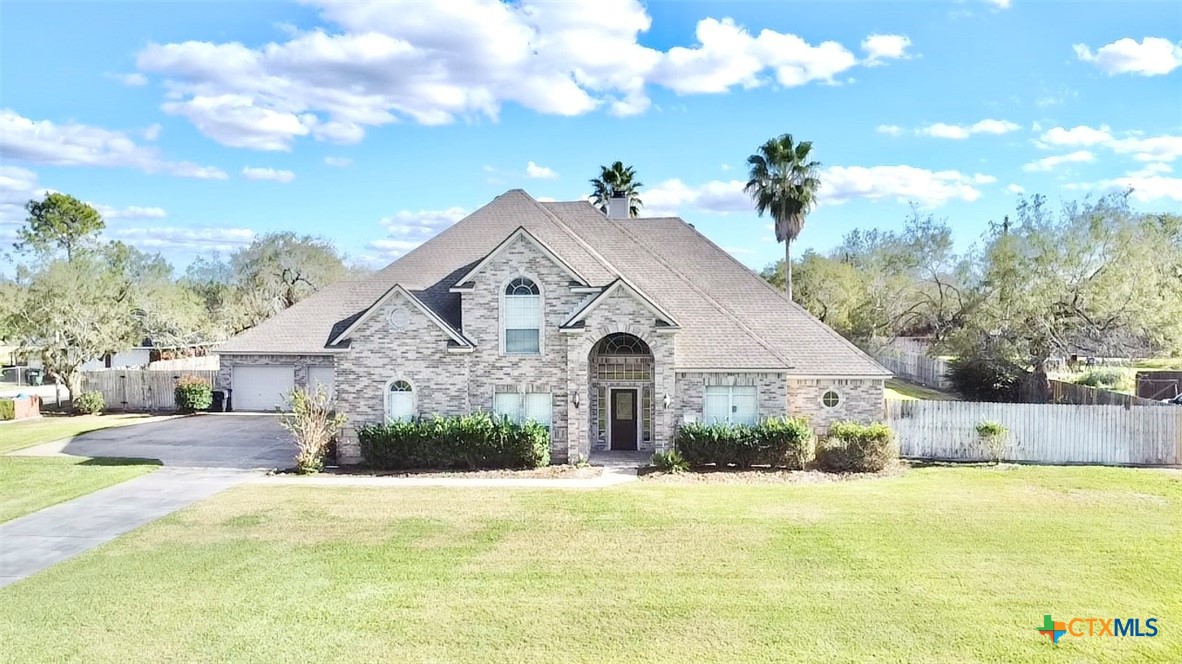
132	80
840	184
152	131
1080	136
540	172
668	198
188	239
999	4
408	229
1152	56
890	130
1049	163
130	212
274	175
987	126
1015	189
73	144
1142	148
338	162
17	187
375	63
885	47
1149	187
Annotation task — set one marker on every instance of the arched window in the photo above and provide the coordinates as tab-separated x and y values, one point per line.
400	401
522	318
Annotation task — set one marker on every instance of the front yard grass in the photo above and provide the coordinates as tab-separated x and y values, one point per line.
26	433
940	564
28	484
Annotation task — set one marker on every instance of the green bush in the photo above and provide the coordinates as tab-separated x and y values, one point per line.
994	437
89	403
193	394
7	409
1107	378
467	441
670	462
986	378
777	442
857	448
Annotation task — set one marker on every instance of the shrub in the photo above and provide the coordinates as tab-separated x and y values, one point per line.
472	441
670	462
193	393
857	448
89	403
7	409
1109	378
313	426
986	379
994	439
777	442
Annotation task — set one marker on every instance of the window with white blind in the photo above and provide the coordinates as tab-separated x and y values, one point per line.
522	318
736	404
400	401
521	407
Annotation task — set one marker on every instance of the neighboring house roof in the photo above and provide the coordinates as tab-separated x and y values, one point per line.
729	317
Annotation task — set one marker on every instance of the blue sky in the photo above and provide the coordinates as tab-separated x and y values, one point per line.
194	127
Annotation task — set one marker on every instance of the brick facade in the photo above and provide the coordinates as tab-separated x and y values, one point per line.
415	349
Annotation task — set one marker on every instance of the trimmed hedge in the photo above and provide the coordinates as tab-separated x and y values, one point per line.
7	409
467	441
193	393
777	442
857	448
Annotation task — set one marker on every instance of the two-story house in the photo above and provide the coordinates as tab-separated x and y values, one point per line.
608	329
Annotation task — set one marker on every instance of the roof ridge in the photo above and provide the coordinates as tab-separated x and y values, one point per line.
808	314
726	311
576	237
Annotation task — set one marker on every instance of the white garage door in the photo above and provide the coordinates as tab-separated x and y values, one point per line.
318	376
262	388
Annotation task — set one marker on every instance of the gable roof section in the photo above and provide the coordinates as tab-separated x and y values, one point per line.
463	282
670	323
398	289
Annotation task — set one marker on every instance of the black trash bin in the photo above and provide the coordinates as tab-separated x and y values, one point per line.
219	402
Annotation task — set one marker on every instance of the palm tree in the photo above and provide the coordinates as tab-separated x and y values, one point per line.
617	179
783	182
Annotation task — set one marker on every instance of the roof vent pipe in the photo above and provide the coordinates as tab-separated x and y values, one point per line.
617	206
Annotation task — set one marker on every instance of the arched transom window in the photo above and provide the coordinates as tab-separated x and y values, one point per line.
523	317
400	401
620	343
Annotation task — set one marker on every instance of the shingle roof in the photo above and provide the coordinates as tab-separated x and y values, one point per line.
730	317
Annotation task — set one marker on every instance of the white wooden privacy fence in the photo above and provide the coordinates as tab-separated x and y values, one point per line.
1045	433
138	389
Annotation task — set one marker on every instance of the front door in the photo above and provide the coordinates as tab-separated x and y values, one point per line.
623	420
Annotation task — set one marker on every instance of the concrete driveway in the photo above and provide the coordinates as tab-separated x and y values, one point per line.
222	440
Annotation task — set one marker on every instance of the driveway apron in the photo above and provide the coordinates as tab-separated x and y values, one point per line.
39	540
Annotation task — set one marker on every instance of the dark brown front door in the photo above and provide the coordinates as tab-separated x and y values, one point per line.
623	420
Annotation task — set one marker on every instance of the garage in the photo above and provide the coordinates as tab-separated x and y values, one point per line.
262	388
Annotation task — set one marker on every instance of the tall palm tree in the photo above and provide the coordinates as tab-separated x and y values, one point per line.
783	183
617	179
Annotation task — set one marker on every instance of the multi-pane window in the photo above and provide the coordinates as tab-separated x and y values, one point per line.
400	401
736	404
523	317
524	406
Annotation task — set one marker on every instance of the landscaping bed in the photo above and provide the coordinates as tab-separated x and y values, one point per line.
564	472
730	475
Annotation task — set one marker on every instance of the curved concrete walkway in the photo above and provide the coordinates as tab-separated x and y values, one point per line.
39	540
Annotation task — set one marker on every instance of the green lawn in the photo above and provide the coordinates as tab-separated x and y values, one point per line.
15	435
28	484
937	565
902	390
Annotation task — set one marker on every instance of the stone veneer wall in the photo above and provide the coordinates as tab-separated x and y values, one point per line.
861	400
771	389
301	363
620	313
